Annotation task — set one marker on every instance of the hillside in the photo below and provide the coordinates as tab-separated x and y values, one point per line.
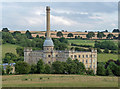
9	48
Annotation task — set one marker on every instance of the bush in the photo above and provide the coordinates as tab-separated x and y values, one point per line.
40	66
109	71
106	44
22	67
101	70
89	72
99	50
41	78
106	50
47	69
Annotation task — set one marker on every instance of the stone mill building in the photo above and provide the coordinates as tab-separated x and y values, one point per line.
49	54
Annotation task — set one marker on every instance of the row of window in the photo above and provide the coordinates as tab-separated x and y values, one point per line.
86	61
81	56
86	66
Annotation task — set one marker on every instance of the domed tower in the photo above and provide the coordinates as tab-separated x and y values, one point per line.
48	45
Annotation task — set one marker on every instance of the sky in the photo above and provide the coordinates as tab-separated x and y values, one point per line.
70	16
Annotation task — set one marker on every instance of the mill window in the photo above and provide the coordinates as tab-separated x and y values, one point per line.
49	62
86	56
82	61
83	56
75	56
90	61
48	55
86	61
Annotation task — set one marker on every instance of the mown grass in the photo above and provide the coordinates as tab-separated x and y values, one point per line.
8	48
82	42
53	80
88	42
103	57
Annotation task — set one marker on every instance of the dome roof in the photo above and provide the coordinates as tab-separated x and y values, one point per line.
48	42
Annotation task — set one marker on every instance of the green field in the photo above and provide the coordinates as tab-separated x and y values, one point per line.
8	48
103	57
52	80
88	42
82	42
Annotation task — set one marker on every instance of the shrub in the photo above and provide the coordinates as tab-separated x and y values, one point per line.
106	50
22	67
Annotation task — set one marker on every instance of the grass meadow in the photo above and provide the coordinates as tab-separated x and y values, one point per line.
82	42
54	80
8	48
88	42
103	57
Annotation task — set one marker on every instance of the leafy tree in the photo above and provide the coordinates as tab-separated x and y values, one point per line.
100	70
47	69
70	35
80	67
33	68
65	67
69	61
106	50
106	44
90	35
59	34
40	66
15	33
57	67
28	34
106	31
100	35
63	40
112	51
5	30
115	68
8	57
116	30
7	37
62	46
118	62
39	42
22	67
37	36
42	37
109	36
8	69
3	72
99	50
76	37
89	72
72	68
21	58
109	71
20	39
20	51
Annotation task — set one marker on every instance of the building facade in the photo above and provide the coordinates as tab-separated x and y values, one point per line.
49	54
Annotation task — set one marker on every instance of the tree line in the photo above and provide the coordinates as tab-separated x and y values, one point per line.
59	34
57	67
110	68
